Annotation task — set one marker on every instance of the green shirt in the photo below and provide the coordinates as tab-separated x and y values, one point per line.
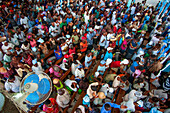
63	24
145	28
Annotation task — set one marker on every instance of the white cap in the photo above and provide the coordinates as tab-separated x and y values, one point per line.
133	29
90	29
138	14
109	48
97	27
150	43
160	20
40	40
140	102
125	61
108	61
96	74
141	53
67	36
111	90
138	94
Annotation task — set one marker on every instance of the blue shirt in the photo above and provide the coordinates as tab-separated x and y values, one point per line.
58	56
101	68
68	20
108	55
132	67
111	104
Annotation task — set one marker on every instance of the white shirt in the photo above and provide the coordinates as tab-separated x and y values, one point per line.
116	83
63	48
101	39
69	82
25	47
90	91
24	21
14	86
133	10
74	66
38	69
79	73
21	37
1	55
155	40
63	100
109	36
53	30
4	48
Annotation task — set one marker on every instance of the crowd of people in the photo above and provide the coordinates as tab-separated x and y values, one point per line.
130	45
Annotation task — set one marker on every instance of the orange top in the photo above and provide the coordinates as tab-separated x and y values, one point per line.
84	46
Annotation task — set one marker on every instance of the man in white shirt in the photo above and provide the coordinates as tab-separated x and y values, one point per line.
13	84
24	21
7	46
72	84
21	35
92	90
102	42
63	98
133	8
109	36
79	72
37	68
53	29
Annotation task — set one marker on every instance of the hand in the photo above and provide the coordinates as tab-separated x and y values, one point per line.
90	108
123	107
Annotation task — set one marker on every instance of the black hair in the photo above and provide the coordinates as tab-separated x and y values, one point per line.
94	88
72	86
88	52
11	77
155	99
143	46
123	78
47	102
107	107
60	91
78	110
137	59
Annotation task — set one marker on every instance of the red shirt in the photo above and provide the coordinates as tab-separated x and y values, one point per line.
115	64
51	109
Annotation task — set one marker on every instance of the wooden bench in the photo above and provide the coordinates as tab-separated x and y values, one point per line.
119	100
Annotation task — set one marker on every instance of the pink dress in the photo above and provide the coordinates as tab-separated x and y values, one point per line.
124	44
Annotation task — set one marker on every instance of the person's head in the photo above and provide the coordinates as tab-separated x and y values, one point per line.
74	85
102	63
1	64
94	88
107	107
61	91
17	48
14	58
48	103
155	99
123	79
88	53
11	78
137	59
78	110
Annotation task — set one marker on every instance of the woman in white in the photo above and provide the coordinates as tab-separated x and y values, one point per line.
74	65
37	68
13	84
69	83
79	73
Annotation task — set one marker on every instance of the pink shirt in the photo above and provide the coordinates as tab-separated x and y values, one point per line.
124	44
72	51
33	43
